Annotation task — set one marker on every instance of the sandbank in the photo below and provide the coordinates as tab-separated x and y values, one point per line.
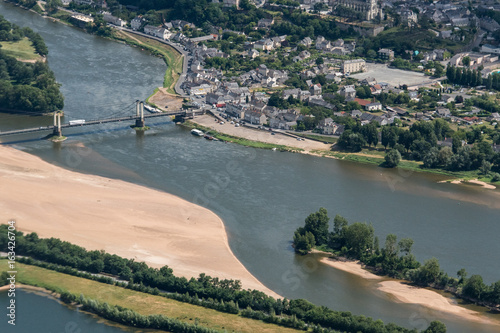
471	181
404	293
353	267
410	294
121	218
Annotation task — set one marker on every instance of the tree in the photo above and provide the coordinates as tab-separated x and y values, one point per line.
429	272
319	60
351	141
405	245
436	327
303	243
462	274
466	61
474	287
317	224
391	247
358	238
392	158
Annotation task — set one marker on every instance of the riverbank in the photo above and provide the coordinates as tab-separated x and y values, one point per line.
278	140
317	148
402	292
51	283
119	217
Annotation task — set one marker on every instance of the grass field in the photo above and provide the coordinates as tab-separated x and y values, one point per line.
140	302
22	50
241	141
173	59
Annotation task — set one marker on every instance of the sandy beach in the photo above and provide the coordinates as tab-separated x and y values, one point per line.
404	293
119	217
260	135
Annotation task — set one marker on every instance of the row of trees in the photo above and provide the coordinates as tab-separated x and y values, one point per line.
357	241
467	77
147	279
28	87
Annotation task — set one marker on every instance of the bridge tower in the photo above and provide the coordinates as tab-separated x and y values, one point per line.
140	124
57	125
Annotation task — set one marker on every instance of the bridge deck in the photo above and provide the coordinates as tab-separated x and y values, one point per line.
100	121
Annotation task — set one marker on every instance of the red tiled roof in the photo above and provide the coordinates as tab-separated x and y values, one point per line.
362	102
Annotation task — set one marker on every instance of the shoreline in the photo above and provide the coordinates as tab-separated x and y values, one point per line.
319	149
121	218
401	292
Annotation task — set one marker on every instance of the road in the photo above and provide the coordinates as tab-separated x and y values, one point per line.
178	47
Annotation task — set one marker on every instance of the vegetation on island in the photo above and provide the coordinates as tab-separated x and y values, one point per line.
71	259
26	87
393	258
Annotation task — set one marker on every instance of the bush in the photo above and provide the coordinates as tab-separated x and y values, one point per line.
392	158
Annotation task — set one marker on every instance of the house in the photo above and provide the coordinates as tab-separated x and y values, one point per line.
413	96
386	54
447	99
353	66
328	126
321	102
265	23
369	81
306	42
376	89
137	23
255	117
264	44
348	92
236	110
114	20
373	106
302	56
253	53
356	114
443	112
315	89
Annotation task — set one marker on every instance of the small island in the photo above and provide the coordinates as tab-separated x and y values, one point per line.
27	85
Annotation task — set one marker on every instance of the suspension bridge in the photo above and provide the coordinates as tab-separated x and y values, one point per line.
139	117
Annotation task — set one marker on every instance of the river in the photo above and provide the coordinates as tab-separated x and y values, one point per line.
273	193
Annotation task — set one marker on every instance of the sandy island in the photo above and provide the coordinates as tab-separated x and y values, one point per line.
473	181
119	217
404	293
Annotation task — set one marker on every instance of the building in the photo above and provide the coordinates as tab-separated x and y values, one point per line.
265	23
353	66
231	3
368	9
255	117
264	44
486	48
137	23
386	54
348	92
114	20
81	20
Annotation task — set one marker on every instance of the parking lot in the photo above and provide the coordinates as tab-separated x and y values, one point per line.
392	76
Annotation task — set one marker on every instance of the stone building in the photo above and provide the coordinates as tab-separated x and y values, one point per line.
369	9
353	66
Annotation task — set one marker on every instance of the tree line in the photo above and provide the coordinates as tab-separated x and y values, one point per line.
13	33
28	87
139	275
469	77
394	258
470	149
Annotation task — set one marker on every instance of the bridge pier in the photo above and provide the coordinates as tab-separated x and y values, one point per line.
57	132
140	124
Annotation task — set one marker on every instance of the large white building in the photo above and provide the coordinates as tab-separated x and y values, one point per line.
353	66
